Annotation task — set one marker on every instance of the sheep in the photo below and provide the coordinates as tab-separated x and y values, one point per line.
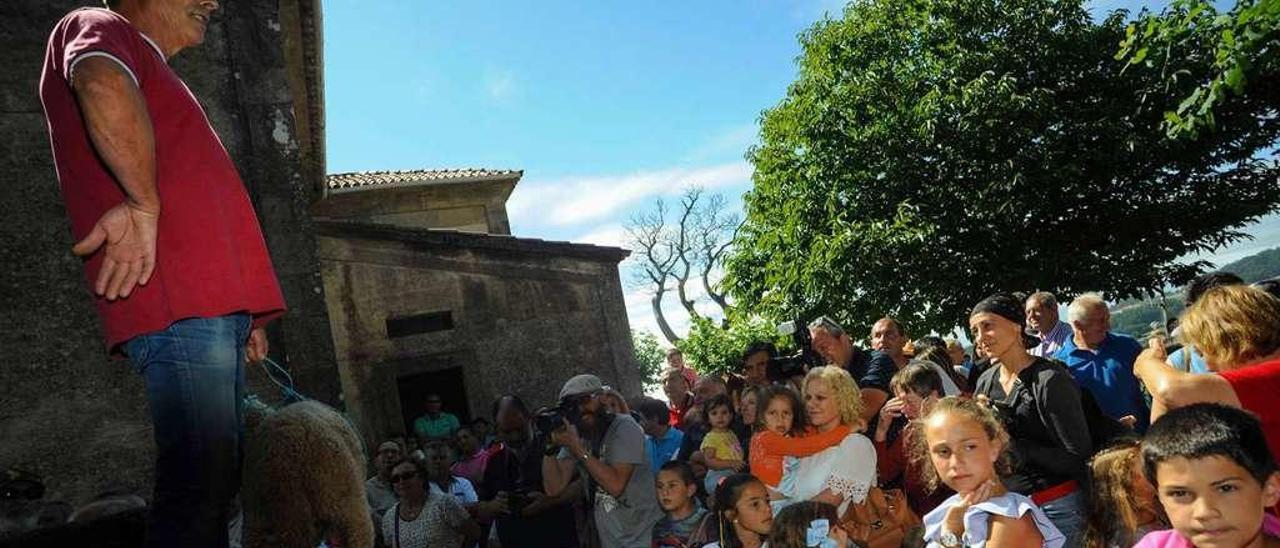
303	479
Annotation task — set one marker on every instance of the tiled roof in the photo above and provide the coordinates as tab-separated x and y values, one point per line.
362	179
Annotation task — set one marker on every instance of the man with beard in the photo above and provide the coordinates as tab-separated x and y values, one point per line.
512	490
611	458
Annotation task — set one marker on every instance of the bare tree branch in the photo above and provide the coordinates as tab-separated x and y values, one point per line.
668	255
649	234
684	241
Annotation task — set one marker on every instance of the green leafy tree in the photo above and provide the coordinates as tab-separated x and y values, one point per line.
1224	68
650	357
930	152
713	348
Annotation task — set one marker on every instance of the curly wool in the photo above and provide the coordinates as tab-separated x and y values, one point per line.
303	480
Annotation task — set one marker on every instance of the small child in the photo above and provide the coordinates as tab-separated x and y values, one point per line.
1215	476
805	524
1123	504
963	441
676	490
720	447
781	432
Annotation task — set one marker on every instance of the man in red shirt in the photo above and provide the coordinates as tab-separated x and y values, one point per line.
173	251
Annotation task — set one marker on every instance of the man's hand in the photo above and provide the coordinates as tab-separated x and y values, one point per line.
491	509
567	437
129	258
255	350
1150	361
538	503
892	410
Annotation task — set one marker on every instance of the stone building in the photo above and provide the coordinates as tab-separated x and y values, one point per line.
428	292
386	295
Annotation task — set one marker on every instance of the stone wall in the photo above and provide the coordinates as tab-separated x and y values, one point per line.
66	411
526	316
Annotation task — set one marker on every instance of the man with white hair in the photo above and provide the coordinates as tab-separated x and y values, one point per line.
1042	321
1102	361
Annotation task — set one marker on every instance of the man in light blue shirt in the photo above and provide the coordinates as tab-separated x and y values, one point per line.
1042	321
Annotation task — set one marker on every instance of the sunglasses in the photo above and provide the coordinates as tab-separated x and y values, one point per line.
397	478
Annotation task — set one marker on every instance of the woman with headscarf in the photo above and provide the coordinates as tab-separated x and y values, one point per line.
1039	403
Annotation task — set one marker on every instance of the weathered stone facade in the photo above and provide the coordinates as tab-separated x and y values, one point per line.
67	412
510	315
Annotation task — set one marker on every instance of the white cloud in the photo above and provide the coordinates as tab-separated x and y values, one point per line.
612	235
575	200
501	85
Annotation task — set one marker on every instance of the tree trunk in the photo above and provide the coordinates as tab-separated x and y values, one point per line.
663	326
718	298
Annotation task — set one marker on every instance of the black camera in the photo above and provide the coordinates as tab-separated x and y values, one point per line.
782	368
517	500
551	419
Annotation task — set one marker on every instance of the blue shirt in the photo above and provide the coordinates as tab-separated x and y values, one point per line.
1108	375
1178	359
663	450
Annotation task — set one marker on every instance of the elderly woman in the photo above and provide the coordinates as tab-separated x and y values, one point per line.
842	473
424	517
1237	330
1039	402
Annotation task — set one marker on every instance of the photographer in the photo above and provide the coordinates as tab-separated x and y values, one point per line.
512	488
872	372
612	456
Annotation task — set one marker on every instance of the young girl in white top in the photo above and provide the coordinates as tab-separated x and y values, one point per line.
963	444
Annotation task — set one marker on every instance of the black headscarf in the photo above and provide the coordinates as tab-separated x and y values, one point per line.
1009	307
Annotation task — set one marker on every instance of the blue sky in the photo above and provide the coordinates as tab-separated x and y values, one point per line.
606	106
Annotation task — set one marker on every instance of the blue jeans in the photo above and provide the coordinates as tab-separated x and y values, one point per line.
1068	515
194	372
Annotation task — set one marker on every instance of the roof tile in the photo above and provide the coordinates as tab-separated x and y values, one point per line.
360	179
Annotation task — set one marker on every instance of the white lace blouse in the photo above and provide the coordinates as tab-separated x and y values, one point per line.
847	469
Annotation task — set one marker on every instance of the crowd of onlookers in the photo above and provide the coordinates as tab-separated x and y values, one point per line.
1050	431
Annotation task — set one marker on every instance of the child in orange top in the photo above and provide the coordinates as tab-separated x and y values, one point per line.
781	432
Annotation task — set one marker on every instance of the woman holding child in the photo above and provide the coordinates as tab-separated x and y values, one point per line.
842	473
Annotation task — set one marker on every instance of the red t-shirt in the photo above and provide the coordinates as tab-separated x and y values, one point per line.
211	258
1257	386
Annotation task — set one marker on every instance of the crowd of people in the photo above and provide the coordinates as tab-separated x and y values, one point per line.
1054	432
1051	433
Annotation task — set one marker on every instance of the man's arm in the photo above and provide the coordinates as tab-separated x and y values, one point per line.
118	125
612	478
556	473
1171	388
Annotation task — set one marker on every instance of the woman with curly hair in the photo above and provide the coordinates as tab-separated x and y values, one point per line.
842	473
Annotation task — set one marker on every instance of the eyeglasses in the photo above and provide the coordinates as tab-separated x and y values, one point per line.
397	478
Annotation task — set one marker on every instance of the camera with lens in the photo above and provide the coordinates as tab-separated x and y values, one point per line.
552	418
782	368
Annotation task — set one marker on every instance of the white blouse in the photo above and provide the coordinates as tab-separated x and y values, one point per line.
847	469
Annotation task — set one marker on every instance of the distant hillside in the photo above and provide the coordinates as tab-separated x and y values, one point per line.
1135	318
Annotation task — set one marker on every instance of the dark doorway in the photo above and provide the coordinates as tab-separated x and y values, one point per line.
445	382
